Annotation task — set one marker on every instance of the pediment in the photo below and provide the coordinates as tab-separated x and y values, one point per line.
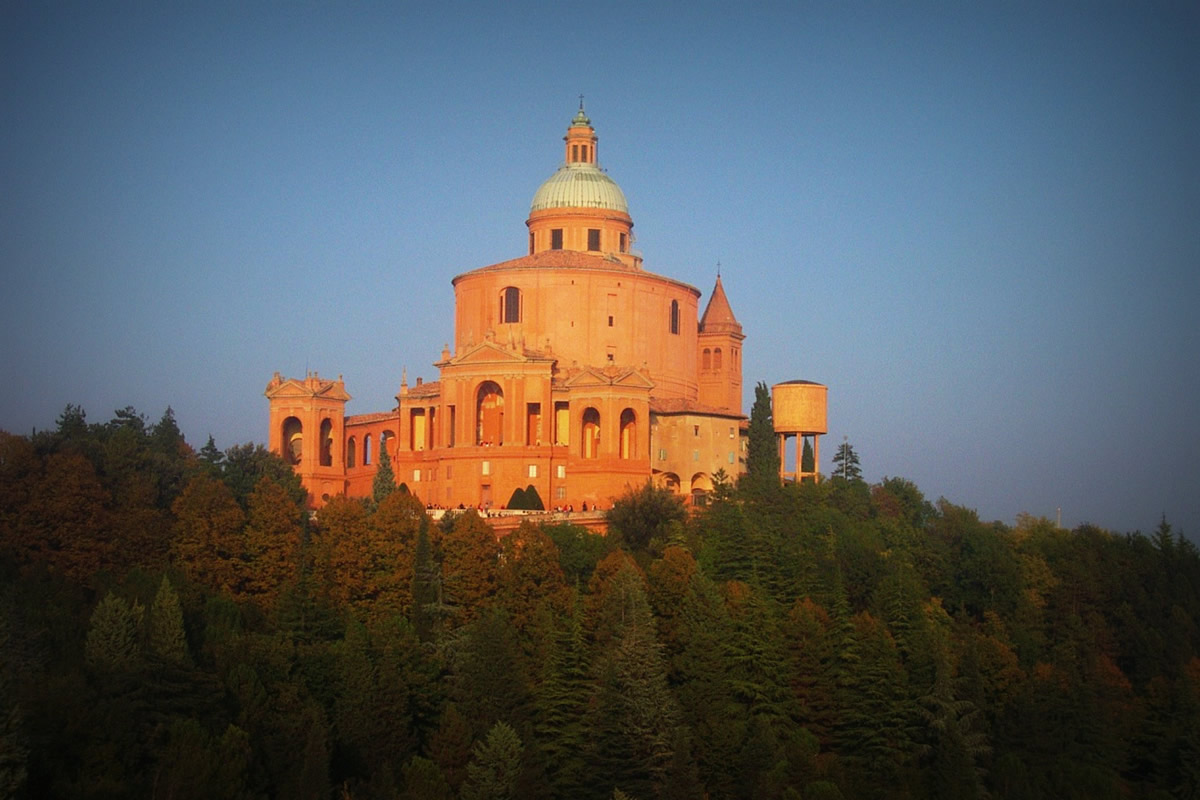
292	388
625	379
487	353
634	380
587	377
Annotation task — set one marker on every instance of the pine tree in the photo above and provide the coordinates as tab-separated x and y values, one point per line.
495	765
700	672
845	463
634	713
167	638
385	479
488	673
424	781
211	457
112	637
560	702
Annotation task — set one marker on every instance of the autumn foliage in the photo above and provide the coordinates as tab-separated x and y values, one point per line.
178	624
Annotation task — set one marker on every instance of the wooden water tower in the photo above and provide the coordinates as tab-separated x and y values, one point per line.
799	409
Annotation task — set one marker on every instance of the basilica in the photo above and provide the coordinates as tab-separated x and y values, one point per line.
573	370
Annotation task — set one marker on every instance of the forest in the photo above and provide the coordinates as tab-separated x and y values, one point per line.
176	624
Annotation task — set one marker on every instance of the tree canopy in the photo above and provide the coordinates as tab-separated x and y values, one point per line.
174	624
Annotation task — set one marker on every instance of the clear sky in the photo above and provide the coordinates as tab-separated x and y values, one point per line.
977	223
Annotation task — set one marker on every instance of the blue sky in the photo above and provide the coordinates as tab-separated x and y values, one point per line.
977	223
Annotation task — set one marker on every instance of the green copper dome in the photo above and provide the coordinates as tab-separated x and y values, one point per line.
579	185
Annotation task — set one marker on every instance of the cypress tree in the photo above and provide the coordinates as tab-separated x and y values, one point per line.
385	479
426	587
762	457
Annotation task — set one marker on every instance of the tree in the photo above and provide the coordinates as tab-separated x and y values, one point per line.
273	536
560	702
426	589
516	500
488	673
643	517
808	460
167	638
424	781
495	765
762	456
470	565
246	464
385	479
533	500
845	463
393	531
209	541
343	558
211	457
635	713
112	637
531	578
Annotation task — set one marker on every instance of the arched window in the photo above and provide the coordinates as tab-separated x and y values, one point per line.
717	358
385	442
628	434
351	452
326	443
591	433
510	304
489	414
706	359
293	440
674	316
367	450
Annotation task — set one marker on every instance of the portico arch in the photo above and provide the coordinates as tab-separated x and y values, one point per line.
293	440
489	414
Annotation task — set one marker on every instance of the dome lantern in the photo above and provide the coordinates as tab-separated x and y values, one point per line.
580	207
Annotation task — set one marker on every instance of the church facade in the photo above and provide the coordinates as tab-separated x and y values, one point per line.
573	369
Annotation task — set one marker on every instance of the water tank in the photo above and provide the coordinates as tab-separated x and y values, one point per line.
800	407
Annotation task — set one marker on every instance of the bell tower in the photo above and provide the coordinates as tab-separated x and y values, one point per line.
308	429
720	354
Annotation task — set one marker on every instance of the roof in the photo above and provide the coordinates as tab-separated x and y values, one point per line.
579	185
681	405
572	259
718	316
426	389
